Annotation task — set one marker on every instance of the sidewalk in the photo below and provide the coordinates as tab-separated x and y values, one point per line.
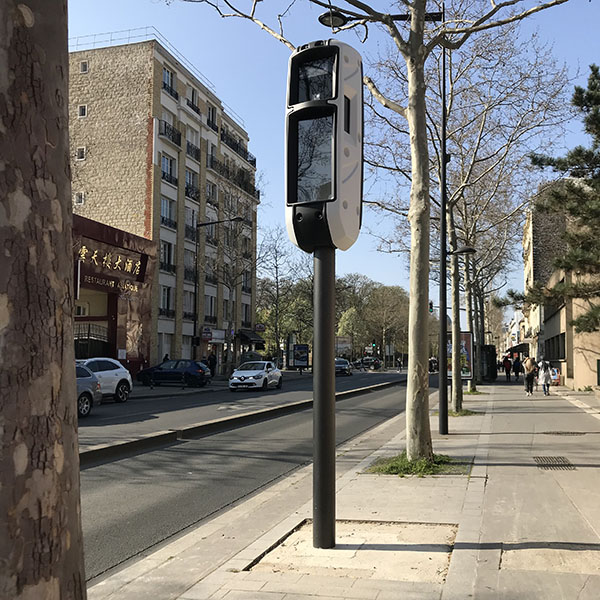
524	525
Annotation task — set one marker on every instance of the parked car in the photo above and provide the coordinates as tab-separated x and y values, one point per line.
89	393
342	367
178	371
261	374
115	380
367	362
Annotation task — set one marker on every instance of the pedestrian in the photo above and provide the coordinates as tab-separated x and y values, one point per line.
529	370
165	357
517	367
212	363
507	367
545	376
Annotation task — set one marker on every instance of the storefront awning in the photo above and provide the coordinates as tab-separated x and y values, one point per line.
522	347
250	337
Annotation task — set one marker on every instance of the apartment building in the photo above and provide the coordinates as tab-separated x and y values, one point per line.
157	154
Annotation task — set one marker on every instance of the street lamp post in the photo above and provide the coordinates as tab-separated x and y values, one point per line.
195	340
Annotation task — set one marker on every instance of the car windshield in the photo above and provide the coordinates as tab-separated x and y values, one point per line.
252	366
340	361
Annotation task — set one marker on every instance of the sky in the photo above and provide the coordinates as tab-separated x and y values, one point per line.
248	69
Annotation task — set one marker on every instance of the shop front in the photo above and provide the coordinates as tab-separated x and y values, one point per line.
113	279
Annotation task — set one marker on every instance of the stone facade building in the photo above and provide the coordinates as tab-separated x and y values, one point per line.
156	153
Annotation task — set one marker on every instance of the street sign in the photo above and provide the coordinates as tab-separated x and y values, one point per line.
207	333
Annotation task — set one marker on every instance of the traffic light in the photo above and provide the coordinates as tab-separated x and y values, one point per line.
324	146
430	306
374	345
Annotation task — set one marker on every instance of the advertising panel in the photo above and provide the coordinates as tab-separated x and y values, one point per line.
466	355
300	355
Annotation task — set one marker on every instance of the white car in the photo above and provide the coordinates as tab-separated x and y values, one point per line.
261	374
115	379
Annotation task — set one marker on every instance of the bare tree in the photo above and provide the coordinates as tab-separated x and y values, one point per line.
41	553
415	42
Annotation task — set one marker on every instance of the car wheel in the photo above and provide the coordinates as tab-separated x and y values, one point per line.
122	392
280	383
84	405
265	385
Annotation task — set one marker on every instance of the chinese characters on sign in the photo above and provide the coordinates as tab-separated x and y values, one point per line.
109	261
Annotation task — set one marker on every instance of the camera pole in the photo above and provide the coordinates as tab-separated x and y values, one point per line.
324	399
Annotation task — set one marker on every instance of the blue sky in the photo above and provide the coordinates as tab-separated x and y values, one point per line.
249	69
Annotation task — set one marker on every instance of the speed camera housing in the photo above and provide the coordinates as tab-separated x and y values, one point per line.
324	146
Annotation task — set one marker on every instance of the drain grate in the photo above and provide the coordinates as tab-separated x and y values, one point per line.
554	463
564	432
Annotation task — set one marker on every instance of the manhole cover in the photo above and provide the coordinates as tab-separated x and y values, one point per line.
564	432
554	463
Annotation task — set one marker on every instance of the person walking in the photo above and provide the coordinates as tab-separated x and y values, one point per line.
212	363
529	371
517	367
545	376
507	367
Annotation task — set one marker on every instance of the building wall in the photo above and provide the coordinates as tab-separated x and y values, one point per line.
115	133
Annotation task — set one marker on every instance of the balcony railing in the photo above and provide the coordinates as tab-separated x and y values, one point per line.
169	178
166	312
171	91
237	147
211	278
189	316
212	125
169	132
192	192
189	274
195	108
167	222
193	151
238	177
211	239
210	319
190	233
247	289
165	266
212	200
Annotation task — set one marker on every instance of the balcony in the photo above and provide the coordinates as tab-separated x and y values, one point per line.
212	240
189	316
239	177
193	151
189	274
212	200
170	132
169	178
238	148
168	267
171	91
191	104
211	278
210	319
247	289
191	191
168	222
166	312
190	233
212	125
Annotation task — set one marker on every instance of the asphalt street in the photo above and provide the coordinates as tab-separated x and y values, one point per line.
135	504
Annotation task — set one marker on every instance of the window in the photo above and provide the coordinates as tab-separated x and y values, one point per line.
210	306
83	66
82	309
168	165
165	297
80	198
212	114
211	192
168	117
80	154
191	179
166	253
82	110
189	302
168	209
190	216
168	77
246	279
246	313
226	306
193	136
189	259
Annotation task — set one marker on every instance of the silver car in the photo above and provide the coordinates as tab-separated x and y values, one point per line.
88	391
115	380
261	374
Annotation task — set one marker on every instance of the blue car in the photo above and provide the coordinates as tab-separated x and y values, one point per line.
180	372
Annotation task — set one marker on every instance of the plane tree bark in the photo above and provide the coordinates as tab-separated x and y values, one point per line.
41	550
415	42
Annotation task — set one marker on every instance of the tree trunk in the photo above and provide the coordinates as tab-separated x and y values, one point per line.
476	334
471	385
41	550
457	395
418	432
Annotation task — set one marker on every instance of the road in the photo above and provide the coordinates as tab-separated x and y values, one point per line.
134	504
170	407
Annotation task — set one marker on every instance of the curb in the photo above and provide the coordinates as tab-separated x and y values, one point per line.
152	441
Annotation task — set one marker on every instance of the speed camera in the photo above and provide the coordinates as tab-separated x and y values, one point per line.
324	146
